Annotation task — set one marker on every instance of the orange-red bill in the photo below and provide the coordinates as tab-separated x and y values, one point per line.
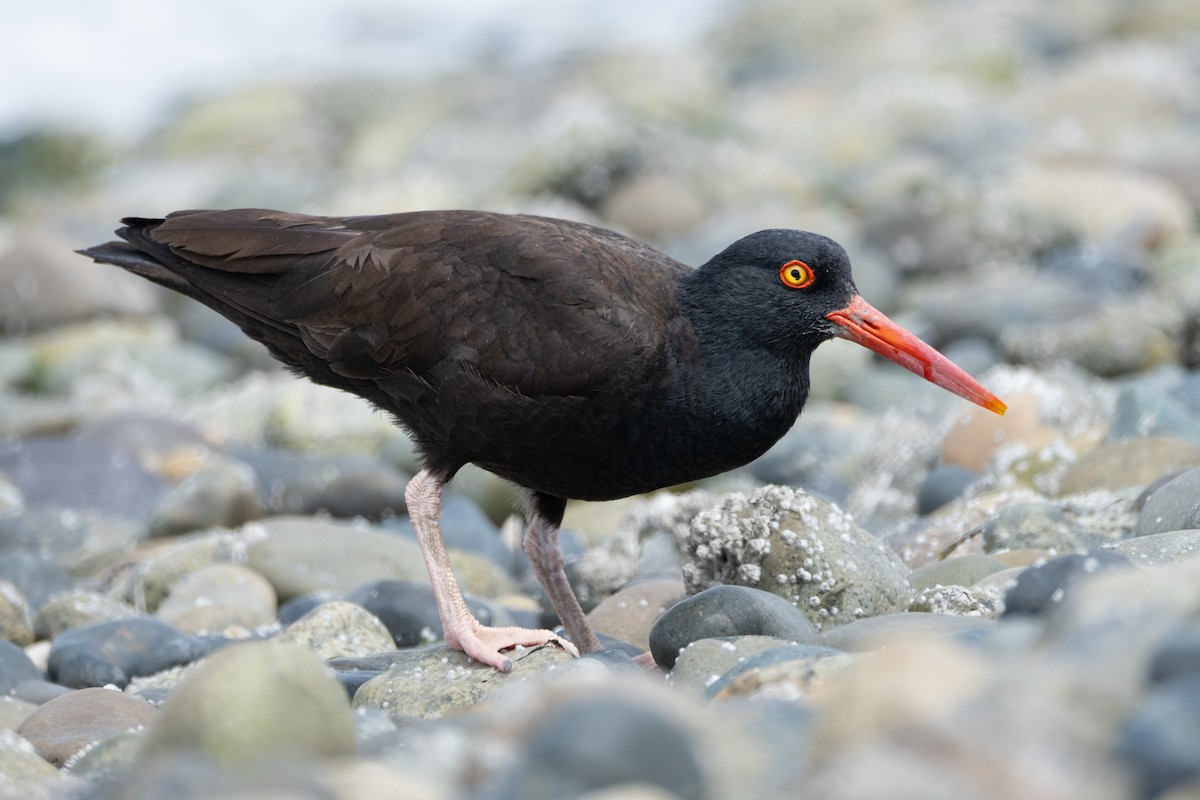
860	322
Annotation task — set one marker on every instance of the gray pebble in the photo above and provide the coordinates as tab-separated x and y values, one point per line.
725	611
1174	506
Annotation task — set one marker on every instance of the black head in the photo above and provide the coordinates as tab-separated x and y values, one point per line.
775	288
784	292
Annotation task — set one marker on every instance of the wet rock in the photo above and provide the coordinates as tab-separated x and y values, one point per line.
726	611
255	700
800	547
338	629
219	596
65	726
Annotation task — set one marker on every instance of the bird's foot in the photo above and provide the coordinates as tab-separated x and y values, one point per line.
484	644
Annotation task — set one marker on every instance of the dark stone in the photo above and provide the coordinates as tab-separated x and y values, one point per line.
1040	588
66	472
1172	507
594	743
352	679
942	485
15	667
726	611
1140	501
1161	741
115	652
408	608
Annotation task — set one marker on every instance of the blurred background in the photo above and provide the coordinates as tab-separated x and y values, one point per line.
1017	181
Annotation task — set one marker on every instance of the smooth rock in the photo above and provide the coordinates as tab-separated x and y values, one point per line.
15	667
726	611
874	633
630	614
1174	507
114	652
254	700
623	742
408	610
219	596
1129	463
299	556
1177	657
12	709
800	547
63	727
168	564
1040	588
338	629
433	682
221	494
110	758
1032	525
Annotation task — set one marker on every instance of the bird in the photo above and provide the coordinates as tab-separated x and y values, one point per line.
568	359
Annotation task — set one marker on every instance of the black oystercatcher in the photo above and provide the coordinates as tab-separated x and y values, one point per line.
566	358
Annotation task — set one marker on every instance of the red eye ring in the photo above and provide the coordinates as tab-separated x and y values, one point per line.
796	275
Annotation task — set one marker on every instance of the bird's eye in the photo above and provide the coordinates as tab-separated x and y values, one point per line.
796	275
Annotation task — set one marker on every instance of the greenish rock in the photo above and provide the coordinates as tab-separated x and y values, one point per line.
1037	525
704	661
436	681
16	615
13	711
300	556
800	547
962	570
338	629
255	700
222	494
1173	506
21	766
218	596
77	607
167	566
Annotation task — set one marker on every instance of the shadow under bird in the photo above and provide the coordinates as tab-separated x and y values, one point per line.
568	359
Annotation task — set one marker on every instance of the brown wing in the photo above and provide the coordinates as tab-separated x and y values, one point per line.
540	306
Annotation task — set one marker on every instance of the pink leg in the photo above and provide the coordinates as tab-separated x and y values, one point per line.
460	628
545	556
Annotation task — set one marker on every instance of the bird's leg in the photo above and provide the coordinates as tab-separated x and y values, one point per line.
459	627
545	556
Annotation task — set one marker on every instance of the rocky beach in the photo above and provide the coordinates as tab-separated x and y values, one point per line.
209	585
